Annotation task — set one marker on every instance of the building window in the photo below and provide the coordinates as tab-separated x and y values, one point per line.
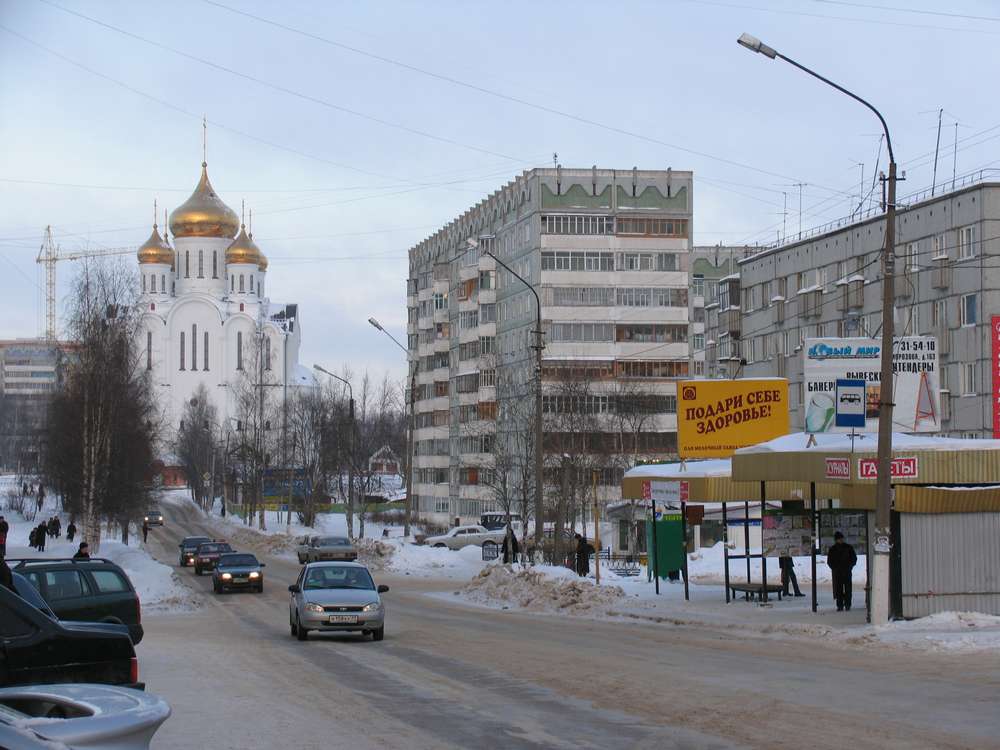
204	354
232	283
698	285
939	314
267	351
201	264
698	342
967	309
215	265
242	289
187	264
966	242
239	350
182	350
699	367
144	282
968	371
940	246
163	283
194	346
251	283
149	350
152	283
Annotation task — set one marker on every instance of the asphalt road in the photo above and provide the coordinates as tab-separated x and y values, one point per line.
452	676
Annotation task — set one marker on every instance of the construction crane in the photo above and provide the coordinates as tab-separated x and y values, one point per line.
48	255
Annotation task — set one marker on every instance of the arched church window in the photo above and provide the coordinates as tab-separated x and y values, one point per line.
144	282
201	264
267	352
251	283
239	350
163	283
182	350
204	354
215	265
232	283
152	283
241	284
194	346
149	350
187	264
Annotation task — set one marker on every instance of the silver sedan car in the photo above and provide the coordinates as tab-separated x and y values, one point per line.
336	597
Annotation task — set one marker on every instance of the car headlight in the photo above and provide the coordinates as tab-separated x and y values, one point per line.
254	574
226	576
373	607
310	607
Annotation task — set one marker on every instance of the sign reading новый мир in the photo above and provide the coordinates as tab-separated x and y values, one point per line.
915	385
716	417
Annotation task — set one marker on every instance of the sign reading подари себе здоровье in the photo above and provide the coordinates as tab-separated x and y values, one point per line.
915	385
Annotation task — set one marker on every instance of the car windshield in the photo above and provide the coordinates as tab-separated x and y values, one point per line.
333	541
213	548
195	541
331	577
237	560
153	512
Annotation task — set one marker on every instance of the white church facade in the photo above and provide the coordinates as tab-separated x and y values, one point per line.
205	308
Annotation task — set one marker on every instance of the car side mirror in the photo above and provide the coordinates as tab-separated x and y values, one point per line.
382	588
263	565
294	588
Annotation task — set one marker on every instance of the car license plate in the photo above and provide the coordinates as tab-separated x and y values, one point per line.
239	579
343	619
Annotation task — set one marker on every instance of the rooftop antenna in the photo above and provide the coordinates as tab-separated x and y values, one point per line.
555	159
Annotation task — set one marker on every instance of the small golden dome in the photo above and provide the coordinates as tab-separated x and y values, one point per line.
156	250
243	249
203	214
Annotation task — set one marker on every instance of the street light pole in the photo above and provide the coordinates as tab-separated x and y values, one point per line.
883	491
408	503
354	445
539	345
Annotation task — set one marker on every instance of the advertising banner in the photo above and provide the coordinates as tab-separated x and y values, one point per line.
916	384
276	485
787	534
995	365
715	417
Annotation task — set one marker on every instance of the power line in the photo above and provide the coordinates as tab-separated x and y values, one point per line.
915	11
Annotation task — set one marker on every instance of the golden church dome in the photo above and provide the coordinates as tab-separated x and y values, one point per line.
156	250
203	214
262	263
243	249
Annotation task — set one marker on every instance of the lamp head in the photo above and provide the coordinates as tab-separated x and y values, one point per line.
754	44
472	242
376	324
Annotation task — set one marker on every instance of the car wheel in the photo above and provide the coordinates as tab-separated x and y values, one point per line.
216	588
378	635
291	626
260	588
301	633
441	544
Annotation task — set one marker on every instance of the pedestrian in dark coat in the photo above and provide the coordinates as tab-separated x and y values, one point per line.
40	536
787	565
583	552
4	530
6	577
50	527
70	531
841	558
145	531
510	551
83	553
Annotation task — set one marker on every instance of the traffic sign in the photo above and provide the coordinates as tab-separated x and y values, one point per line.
850	403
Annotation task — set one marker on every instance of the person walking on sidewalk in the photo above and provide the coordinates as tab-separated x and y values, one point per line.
83	553
787	565
841	558
4	530
70	531
583	552
145	531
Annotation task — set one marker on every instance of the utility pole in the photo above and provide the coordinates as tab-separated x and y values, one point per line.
880	586
954	158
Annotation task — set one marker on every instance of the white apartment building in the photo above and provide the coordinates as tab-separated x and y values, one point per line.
607	252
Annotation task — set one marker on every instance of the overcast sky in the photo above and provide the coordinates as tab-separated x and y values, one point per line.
335	123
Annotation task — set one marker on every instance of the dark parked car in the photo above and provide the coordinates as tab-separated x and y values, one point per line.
38	649
189	546
208	554
94	590
238	570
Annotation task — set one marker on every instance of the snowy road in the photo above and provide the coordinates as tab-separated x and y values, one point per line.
455	676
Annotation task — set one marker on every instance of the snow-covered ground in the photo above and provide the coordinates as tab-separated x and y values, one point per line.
158	587
554	591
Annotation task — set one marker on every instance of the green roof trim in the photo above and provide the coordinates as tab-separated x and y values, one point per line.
576	197
652	199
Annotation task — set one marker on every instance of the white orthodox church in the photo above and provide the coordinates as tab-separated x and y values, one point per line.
205	307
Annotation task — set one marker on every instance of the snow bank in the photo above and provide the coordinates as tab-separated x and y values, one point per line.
396	556
539	589
159	588
953	632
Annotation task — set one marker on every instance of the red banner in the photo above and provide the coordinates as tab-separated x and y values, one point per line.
899	468
995	361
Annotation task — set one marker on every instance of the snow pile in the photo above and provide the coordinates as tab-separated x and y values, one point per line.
539	589
397	556
945	631
158	587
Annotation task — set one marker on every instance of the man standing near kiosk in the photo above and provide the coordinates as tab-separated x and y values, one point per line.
841	558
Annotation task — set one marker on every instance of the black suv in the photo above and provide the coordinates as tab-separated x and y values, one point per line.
38	649
94	590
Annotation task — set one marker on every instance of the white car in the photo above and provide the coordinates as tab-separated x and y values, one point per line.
463	536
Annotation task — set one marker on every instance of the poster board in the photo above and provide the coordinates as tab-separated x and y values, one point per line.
916	387
668	553
787	534
853	524
717	417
